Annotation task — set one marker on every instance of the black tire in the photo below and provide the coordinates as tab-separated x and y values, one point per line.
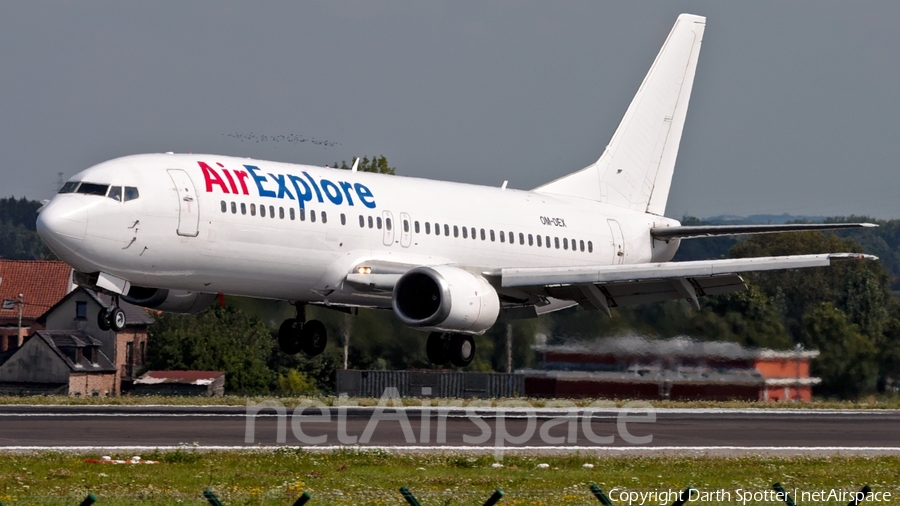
462	350
103	319
436	348
289	337
313	337
117	320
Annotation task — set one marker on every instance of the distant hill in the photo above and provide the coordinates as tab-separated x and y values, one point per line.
754	219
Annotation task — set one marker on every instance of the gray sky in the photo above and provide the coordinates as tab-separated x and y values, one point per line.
795	107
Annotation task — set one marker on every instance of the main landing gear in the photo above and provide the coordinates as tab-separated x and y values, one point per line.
111	318
296	335
458	349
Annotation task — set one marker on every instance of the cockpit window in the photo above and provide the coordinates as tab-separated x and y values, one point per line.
115	193
69	187
93	189
131	193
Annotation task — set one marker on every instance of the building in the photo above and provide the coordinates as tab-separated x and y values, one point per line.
59	362
127	348
200	383
678	368
27	289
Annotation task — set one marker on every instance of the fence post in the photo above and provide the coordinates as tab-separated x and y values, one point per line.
90	499
600	495
498	494
411	499
213	500
303	499
787	497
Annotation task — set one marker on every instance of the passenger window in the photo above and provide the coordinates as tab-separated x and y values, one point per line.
437	229
581	245
465	233
406	225
565	243
243	208
492	235
455	231
502	236
293	214
324	217
446	229
312	216
482	234
271	211
371	222
281	213
548	241
262	211
387	224
521	238
530	240
93	189
473	232
427	227
223	206
234	208
131	193
378	223
69	187
539	241
252	209
556	242
115	193
417	227
343	219
590	247
362	221
302	214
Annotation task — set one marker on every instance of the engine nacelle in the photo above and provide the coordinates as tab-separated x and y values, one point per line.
174	301
445	299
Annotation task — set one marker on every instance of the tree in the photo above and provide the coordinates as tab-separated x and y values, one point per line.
378	165
847	361
18	238
219	339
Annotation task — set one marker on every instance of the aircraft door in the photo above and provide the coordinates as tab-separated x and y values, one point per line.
405	230
618	242
188	206
388	227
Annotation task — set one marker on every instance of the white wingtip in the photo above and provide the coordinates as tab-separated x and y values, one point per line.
355	164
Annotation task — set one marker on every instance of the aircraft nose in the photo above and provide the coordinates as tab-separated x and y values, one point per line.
62	224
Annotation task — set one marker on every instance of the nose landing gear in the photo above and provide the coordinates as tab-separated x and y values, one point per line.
295	335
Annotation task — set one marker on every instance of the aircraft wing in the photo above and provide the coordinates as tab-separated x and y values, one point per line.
688	232
602	287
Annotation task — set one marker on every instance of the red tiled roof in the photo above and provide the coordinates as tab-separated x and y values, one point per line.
42	282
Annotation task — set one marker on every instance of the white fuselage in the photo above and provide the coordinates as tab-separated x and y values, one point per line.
197	224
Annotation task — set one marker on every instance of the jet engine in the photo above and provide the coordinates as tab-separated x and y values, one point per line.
174	301
445	299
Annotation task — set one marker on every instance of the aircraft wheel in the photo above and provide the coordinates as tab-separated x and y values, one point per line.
462	349
314	337
289	337
436	348
117	320
103	319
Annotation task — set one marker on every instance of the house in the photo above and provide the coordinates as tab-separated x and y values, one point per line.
27	289
200	383
678	368
127	348
59	362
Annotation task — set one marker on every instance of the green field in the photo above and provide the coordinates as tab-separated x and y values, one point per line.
350	477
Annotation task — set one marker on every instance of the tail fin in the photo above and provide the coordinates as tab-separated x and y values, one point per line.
635	170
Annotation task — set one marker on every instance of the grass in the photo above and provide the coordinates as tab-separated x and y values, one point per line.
871	402
365	477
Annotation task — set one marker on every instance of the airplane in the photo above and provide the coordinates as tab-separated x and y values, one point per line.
172	231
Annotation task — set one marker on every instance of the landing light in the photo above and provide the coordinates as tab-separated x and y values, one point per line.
364	270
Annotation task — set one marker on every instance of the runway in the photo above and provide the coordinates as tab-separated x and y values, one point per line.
671	431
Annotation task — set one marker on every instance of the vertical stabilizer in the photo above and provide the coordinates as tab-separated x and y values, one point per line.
635	170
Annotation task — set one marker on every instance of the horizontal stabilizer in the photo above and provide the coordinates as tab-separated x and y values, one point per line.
666	233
